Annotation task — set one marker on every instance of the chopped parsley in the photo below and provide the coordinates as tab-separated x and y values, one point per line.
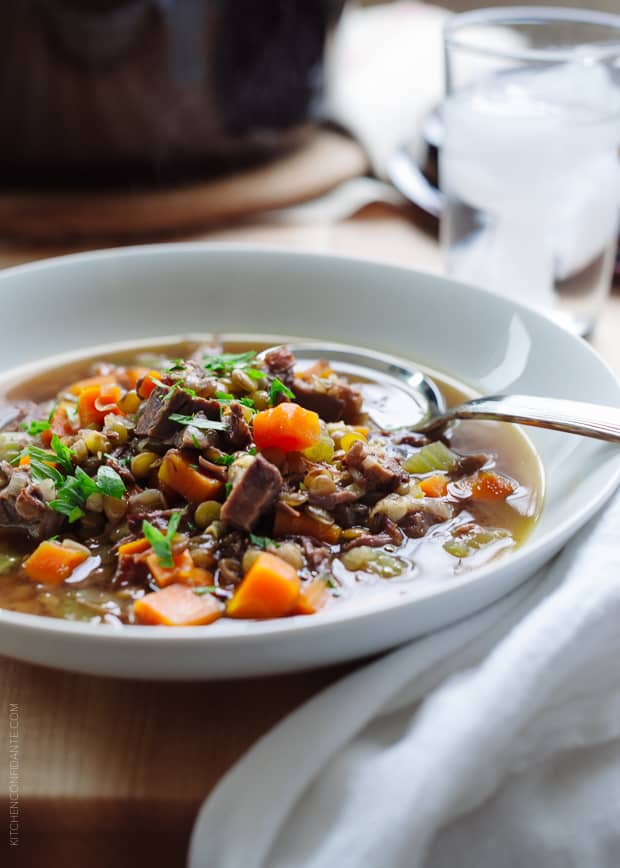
228	488
73	492
225	460
195	441
162	543
226	398
63	454
278	388
262	541
36	427
176	365
198	422
226	363
206	589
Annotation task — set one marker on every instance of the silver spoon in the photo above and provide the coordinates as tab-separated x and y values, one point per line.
397	395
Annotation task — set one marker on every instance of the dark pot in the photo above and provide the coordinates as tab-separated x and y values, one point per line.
139	90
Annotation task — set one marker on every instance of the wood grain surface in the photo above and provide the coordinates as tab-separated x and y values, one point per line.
111	773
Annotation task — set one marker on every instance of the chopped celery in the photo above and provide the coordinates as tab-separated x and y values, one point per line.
463	547
373	561
12	443
434	456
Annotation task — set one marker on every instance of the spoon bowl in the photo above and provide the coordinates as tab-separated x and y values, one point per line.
398	395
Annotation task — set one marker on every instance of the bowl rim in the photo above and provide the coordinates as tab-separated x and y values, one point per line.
329	619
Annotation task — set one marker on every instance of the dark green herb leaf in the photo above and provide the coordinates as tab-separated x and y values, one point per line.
252	450
198	422
225	460
63	454
247	402
162	543
35	427
109	482
225	363
228	488
195	441
177	365
278	388
262	541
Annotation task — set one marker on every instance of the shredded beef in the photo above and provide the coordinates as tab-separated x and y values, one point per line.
281	362
316	555
469	464
26	511
217	471
333	499
416	524
238	435
384	475
368	539
14	415
255	492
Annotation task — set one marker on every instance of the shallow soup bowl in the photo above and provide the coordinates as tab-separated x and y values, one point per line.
65	307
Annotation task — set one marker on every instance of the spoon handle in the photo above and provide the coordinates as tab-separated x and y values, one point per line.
576	417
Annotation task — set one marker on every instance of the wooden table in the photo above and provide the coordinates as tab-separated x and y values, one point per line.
111	773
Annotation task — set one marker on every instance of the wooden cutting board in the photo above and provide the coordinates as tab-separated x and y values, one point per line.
326	159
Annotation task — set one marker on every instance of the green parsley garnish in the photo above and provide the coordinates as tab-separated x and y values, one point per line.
224	396
162	543
226	363
225	460
34	428
42	465
228	488
63	454
73	492
262	541
252	450
206	589
176	365
195	441
197	422
278	388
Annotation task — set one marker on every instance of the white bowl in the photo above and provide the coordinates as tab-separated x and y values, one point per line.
75	302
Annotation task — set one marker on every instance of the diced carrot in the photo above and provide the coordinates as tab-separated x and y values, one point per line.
491	486
130	376
304	525
177	473
177	606
269	589
95	402
183	572
135	547
24	461
51	562
147	383
63	422
434	486
311	597
288	427
88	382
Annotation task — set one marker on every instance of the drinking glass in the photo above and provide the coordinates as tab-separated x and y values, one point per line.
529	164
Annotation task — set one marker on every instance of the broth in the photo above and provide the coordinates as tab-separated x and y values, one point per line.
448	548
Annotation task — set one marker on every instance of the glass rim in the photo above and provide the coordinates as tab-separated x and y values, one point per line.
516	15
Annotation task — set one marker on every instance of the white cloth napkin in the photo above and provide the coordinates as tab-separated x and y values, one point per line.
494	743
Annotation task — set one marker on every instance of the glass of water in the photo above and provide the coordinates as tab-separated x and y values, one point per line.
529	163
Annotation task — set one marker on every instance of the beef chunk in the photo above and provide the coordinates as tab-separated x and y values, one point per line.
24	509
193	376
153	420
333	499
281	362
468	464
255	492
189	437
384	475
238	435
416	524
332	400
13	415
